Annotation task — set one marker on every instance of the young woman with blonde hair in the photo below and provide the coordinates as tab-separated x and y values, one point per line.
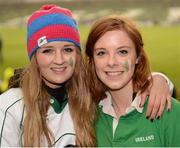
53	106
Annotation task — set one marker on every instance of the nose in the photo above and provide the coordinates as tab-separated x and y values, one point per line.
112	61
59	58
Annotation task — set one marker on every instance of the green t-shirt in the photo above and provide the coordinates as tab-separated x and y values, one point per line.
135	130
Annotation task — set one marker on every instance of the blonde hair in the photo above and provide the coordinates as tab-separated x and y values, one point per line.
36	101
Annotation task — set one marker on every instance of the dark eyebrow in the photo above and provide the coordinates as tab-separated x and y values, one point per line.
99	49
120	47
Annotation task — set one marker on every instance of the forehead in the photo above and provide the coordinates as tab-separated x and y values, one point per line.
58	44
114	38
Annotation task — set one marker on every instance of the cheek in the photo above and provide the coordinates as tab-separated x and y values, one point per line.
132	66
42	60
100	62
71	60
129	65
98	65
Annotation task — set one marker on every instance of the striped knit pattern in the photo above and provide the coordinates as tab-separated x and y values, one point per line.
55	24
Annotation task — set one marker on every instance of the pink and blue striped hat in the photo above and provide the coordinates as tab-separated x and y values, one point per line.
51	23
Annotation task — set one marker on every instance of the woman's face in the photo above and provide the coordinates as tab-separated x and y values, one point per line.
56	61
114	59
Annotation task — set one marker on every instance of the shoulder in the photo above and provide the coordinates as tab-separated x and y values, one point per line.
174	112
175	106
10	98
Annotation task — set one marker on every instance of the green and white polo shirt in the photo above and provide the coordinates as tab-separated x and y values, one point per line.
134	130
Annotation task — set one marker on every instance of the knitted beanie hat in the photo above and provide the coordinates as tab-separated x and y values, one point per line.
51	23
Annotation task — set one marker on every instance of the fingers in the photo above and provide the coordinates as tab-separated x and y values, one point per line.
156	106
169	103
157	103
158	98
161	108
150	106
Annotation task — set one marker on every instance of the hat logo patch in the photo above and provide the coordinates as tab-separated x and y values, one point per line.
41	41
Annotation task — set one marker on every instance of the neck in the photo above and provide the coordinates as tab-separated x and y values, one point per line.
60	93
122	98
52	84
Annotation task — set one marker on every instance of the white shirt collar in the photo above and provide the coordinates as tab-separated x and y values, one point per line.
107	107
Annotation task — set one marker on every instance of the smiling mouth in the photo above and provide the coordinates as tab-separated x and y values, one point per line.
58	70
114	73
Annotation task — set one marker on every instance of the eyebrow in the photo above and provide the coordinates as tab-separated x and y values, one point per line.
99	48
46	47
120	47
124	47
69	45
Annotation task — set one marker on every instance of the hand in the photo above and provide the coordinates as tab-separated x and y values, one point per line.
159	95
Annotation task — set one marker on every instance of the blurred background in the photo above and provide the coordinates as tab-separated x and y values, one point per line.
158	20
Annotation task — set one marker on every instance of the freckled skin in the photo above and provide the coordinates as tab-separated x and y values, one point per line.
70	62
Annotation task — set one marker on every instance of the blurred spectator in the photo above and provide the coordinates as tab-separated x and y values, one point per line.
8	73
14	81
11	80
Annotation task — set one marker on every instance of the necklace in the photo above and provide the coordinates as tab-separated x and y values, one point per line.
116	109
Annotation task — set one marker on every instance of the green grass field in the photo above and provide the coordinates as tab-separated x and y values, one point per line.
162	45
163	48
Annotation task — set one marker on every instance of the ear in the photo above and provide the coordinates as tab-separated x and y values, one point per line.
137	60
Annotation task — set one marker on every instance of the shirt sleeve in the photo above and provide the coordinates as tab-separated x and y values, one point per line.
170	84
10	119
10	130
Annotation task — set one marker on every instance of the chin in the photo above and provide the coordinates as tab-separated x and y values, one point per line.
114	87
60	81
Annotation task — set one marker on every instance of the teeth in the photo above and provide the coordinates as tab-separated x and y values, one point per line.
58	69
114	73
